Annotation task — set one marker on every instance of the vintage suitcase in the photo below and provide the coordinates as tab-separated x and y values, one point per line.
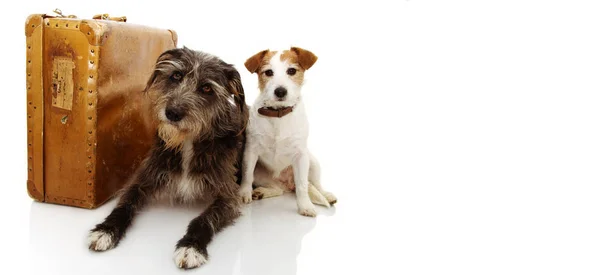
87	119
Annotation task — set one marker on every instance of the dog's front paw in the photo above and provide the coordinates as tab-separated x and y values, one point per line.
306	207
189	257
100	240
309	212
246	195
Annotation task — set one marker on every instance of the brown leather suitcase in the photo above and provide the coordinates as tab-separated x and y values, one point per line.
87	119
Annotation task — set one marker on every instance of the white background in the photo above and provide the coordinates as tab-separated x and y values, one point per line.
461	137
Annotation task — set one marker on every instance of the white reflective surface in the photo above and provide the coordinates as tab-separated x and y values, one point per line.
267	239
461	137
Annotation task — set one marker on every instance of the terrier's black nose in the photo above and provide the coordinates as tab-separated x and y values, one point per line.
174	114
280	92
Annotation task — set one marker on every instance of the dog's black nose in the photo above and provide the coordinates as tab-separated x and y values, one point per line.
174	114
280	92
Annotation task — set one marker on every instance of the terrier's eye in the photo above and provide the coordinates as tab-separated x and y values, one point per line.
291	71
176	76
269	72
207	89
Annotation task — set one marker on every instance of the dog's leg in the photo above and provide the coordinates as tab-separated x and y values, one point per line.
107	234
266	185
314	177
266	192
316	197
301	168
248	166
191	249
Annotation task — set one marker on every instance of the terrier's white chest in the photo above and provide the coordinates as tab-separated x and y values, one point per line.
278	153
279	141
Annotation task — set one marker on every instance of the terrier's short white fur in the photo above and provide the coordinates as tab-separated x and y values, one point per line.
273	144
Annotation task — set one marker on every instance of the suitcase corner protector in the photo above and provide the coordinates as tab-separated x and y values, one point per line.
33	192
33	21
94	31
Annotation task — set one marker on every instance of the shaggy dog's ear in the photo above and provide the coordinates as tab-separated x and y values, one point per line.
235	86
167	55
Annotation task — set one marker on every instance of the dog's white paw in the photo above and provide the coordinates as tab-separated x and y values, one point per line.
246	195
266	192
330	197
306	207
309	212
188	257
100	241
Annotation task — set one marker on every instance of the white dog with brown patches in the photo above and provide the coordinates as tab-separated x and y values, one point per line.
276	143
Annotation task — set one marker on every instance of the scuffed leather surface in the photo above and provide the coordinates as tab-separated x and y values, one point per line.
125	125
89	152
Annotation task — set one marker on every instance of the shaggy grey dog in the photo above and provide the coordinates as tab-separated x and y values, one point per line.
198	101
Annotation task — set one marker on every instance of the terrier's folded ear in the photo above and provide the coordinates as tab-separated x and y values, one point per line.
305	58
253	63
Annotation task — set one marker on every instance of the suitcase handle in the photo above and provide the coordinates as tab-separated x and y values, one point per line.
103	16
60	14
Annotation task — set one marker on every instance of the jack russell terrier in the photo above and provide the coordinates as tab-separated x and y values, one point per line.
276	156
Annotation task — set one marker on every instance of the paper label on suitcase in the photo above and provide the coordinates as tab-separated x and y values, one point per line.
62	82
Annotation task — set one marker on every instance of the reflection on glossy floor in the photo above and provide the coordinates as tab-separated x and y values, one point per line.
267	239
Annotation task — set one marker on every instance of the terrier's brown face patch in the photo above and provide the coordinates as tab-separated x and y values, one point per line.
280	74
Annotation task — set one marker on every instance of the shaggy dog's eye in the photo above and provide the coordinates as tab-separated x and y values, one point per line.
269	72
176	76
291	71
206	89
